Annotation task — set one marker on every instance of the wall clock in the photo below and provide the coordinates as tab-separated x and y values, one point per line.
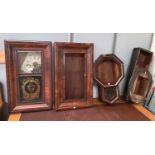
28	75
108	72
73	75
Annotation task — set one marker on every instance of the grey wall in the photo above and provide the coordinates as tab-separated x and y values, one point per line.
123	47
33	36
103	44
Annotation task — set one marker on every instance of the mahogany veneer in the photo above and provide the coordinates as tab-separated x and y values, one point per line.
108	72
73	75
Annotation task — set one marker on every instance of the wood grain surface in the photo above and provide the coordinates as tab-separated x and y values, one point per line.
121	111
137	107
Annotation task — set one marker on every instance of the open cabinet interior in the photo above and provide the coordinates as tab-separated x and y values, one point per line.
74	76
141	85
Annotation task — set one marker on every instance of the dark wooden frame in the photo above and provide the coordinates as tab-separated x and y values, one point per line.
60	54
1	101
11	66
140	62
104	78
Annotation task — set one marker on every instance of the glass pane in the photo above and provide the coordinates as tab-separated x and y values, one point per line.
30	89
29	62
110	93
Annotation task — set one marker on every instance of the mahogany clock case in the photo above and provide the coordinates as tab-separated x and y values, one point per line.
28	66
139	79
73	75
108	72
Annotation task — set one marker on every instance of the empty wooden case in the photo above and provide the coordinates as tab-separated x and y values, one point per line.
139	78
73	75
108	72
29	79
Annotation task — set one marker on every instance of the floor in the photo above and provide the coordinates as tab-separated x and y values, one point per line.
121	111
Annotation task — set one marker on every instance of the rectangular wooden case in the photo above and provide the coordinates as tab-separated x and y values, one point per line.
73	75
28	67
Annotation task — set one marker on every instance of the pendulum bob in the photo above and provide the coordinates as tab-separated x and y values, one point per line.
140	59
108	95
140	85
108	72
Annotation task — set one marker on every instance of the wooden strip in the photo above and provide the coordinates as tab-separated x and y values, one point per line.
145	112
2	57
14	117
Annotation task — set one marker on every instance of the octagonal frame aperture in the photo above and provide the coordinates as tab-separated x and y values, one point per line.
108	70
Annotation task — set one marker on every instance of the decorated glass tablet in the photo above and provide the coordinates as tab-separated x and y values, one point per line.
30	89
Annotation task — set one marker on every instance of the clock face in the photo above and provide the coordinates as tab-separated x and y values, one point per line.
29	62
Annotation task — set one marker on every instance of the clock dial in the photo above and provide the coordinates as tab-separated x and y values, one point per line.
29	62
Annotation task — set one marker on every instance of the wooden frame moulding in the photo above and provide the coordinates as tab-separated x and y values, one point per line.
73	75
